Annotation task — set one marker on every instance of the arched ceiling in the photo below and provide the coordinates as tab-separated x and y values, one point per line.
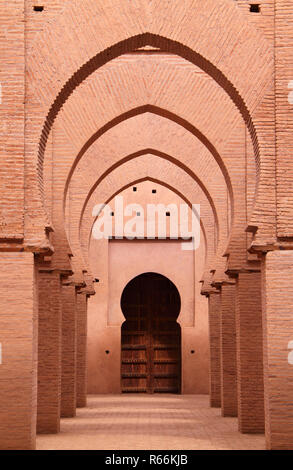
132	28
190	103
151	167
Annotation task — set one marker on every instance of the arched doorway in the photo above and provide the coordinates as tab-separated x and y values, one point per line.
150	336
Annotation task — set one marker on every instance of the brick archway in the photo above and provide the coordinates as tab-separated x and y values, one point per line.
128	45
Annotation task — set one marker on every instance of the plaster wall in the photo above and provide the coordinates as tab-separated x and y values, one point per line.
126	259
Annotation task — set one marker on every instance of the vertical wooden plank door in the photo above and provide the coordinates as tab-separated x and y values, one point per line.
150	336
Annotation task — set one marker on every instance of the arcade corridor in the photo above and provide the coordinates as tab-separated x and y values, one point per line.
138	137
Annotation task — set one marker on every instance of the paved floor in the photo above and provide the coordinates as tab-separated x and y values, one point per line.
132	422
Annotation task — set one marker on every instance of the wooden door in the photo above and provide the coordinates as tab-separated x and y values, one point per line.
151	338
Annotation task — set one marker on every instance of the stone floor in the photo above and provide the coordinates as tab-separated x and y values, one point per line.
133	422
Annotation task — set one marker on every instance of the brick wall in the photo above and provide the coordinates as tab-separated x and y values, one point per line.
12	100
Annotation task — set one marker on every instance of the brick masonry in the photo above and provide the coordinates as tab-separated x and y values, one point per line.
96	97
228	351
49	352
249	336
81	356
18	332
278	334
215	349
69	343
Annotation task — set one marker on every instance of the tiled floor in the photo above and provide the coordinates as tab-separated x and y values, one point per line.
132	422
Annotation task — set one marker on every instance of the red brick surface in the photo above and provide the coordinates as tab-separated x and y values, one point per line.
49	352
215	349
81	356
18	333
228	351
249	353
195	97
278	332
12	109
284	126
69	342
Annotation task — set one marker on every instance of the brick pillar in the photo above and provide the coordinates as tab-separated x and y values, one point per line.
81	368
278	347
215	351
49	360
228	351
18	338
68	377
249	353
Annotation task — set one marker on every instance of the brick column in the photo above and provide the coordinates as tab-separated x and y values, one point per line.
228	351
278	347
49	356
18	338
215	351
249	353
81	368
68	378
